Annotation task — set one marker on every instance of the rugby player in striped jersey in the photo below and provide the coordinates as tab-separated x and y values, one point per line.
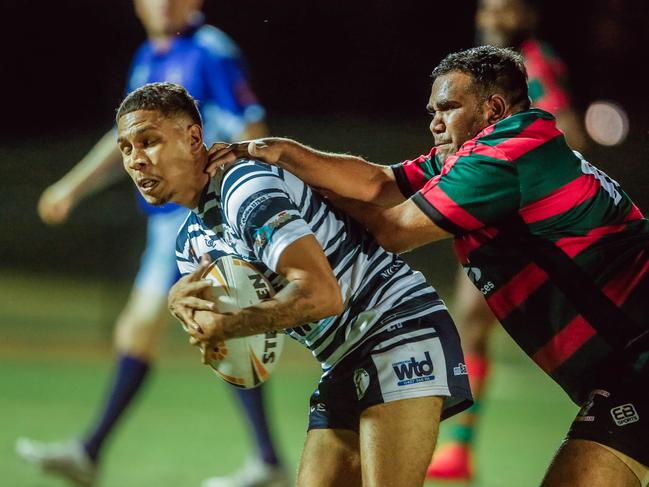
556	247
390	354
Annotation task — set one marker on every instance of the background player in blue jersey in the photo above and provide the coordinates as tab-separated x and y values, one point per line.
390	354
179	48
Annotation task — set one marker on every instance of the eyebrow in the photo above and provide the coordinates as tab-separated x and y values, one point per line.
135	133
442	104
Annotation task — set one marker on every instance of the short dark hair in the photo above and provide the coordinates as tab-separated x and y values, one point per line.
492	69
168	98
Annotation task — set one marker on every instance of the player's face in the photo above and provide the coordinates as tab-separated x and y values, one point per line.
163	156
499	22
457	113
165	17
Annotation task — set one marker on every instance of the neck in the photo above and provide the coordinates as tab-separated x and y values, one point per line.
202	179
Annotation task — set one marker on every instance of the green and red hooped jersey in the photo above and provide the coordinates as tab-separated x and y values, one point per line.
546	76
559	251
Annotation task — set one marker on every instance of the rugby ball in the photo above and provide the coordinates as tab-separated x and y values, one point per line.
243	362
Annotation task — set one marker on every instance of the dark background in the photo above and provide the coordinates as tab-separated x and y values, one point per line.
341	75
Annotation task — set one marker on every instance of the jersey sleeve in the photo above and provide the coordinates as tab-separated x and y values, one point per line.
412	175
472	192
259	208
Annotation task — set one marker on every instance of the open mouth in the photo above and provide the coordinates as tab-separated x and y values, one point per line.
146	185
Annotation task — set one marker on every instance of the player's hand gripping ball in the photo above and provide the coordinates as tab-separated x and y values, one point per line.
243	362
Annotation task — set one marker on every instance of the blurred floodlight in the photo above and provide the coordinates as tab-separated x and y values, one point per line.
606	122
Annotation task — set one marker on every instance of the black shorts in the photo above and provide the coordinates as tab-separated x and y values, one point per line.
426	361
616	413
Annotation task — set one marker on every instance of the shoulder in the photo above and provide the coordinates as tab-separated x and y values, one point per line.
249	173
512	137
216	42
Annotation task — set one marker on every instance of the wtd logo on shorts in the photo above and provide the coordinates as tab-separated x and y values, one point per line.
413	371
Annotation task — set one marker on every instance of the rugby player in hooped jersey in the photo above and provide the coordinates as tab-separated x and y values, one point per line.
390	353
559	251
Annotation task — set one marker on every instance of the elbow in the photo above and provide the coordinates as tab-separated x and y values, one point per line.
333	304
389	239
328	299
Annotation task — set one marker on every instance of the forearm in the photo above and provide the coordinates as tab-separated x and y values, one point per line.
99	168
345	175
297	304
397	229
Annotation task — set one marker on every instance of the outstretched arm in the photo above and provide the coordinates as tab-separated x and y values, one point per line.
344	175
99	168
397	229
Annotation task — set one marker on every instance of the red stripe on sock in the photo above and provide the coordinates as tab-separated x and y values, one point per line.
477	366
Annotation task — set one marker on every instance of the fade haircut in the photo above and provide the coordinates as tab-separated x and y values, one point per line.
492	69
170	99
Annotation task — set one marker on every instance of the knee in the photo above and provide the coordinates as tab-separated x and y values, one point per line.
138	335
344	469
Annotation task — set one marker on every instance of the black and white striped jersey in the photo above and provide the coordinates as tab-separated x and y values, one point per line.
255	211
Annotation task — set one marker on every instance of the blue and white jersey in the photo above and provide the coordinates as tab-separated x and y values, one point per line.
208	64
255	211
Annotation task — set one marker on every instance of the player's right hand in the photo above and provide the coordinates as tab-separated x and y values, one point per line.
184	296
55	204
268	150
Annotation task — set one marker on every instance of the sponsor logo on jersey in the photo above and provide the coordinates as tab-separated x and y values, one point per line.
413	371
264	234
625	414
243	219
392	270
361	382
394	326
460	370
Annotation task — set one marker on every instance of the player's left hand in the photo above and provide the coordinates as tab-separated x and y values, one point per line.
210	332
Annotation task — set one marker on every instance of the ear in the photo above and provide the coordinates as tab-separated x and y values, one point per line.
497	108
195	137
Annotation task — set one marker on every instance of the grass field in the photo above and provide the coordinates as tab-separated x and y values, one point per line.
55	362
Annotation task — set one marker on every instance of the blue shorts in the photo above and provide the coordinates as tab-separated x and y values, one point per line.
414	366
158	269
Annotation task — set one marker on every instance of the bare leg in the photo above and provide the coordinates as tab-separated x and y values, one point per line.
331	457
583	463
397	440
141	324
475	321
